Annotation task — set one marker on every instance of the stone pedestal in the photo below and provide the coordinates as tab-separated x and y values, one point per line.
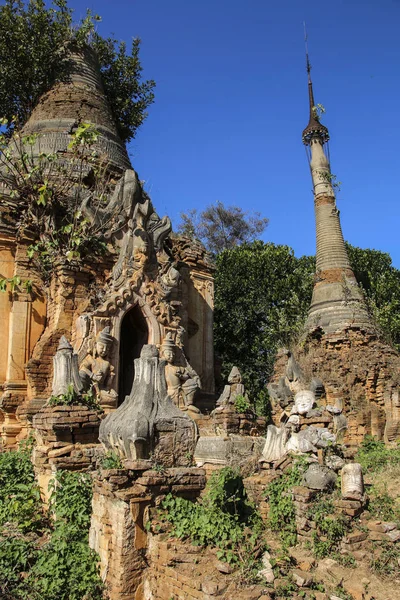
67	438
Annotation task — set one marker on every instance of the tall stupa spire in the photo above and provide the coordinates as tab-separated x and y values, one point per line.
337	301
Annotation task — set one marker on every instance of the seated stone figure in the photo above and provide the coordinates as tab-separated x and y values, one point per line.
97	373
182	379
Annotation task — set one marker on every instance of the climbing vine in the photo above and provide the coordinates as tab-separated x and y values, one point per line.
282	514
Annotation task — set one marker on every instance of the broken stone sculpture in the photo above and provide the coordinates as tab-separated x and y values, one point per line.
318	477
352	482
294	375
280	393
339	426
65	370
182	380
133	430
234	388
303	402
335	462
275	443
310	439
97	373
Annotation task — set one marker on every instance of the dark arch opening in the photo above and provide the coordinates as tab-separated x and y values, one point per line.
134	334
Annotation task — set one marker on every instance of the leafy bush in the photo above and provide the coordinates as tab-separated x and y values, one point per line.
374	456
17	555
19	494
66	569
225	519
59	565
71	498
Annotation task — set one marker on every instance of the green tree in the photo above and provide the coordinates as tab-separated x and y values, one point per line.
262	293
34	43
380	281
222	227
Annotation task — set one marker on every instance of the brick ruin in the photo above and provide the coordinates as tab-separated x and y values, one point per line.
135	327
341	352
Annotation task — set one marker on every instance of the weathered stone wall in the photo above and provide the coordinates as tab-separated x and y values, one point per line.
66	438
121	502
361	374
181	571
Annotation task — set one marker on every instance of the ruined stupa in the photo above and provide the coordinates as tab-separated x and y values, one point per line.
148	286
341	353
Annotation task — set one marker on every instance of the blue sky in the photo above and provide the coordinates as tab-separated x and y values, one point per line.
231	103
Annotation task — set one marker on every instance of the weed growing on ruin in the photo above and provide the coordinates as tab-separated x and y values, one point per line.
242	405
374	456
15	284
383	506
330	528
59	204
71	397
282	514
386	559
110	460
341	592
225	519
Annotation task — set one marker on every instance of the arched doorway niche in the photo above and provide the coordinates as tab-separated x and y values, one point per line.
137	325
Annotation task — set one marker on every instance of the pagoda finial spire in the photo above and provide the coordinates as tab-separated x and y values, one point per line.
337	301
314	127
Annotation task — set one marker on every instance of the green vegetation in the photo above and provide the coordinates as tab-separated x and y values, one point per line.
282	514
19	495
52	202
380	281
385	559
111	460
224	519
71	397
330	528
41	560
34	54
242	404
373	455
15	284
383	506
262	295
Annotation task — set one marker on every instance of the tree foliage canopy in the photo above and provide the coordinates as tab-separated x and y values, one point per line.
34	42
380	281
262	293
222	227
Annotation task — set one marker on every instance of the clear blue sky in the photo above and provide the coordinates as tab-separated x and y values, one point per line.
231	103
